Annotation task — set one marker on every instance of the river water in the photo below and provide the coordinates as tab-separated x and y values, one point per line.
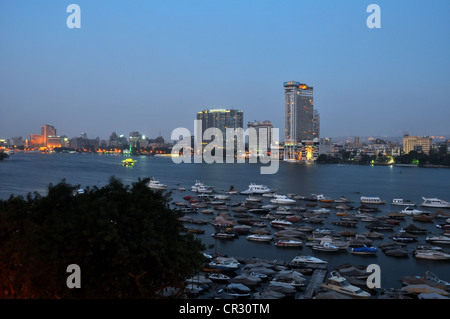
22	173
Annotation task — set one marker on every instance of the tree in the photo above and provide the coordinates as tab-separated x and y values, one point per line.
126	240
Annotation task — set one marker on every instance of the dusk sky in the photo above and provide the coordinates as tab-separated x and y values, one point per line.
150	66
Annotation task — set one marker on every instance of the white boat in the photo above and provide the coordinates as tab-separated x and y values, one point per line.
435	202
340	284
280	223
263	238
402	202
371	200
154	184
438	239
321	211
217	276
200	187
305	261
225	263
282	199
412	211
288	243
221	196
256	189
433	254
78	191
325	246
253	199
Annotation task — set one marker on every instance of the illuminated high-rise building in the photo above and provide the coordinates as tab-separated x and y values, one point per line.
299	105
298	118
47	131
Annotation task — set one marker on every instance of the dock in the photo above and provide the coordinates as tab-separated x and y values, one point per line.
317	279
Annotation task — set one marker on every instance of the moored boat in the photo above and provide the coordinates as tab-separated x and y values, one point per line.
435	202
364	250
340	284
372	200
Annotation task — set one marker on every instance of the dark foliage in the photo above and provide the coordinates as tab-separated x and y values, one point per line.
126	240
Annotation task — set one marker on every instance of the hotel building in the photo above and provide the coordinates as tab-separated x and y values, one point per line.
301	123
416	143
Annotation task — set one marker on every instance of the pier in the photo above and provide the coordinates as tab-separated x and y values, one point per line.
317	279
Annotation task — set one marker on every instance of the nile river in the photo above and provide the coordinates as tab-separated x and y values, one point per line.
22	173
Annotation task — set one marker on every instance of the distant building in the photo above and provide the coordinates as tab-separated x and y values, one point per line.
416	143
266	127
47	138
221	119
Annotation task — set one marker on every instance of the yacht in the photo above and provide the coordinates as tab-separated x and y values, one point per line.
411	211
402	202
154	184
372	200
435	202
280	223
438	239
256	189
282	199
306	261
340	284
433	254
263	238
199	187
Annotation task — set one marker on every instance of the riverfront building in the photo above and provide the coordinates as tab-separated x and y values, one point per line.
264	132
221	119
301	122
416	143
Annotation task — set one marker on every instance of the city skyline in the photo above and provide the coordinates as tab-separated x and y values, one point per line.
149	66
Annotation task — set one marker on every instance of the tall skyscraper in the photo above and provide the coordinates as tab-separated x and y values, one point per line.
299	119
299	105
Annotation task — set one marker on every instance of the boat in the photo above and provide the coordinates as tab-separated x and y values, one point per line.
307	261
219	277
315	197
341	285
154	184
225	263
430	253
325	246
221	197
253	199
412	211
256	189
128	162
372	200
438	240
435	202
280	223
288	243
78	191
224	235
282	199
200	187
237	290
256	237
402	202
364	250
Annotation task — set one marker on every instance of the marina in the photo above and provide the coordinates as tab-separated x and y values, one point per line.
223	219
